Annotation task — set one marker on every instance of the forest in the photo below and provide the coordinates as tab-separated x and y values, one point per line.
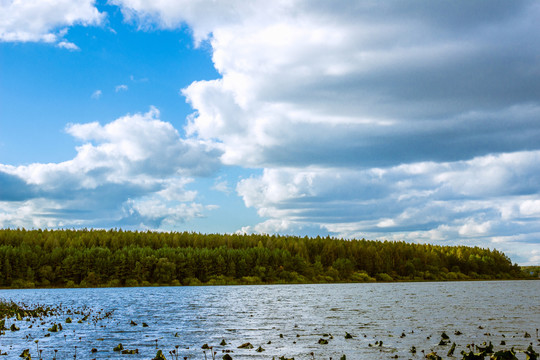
94	258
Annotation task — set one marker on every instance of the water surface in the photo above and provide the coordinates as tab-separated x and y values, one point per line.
293	318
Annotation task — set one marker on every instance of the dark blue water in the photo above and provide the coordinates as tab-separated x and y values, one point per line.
291	317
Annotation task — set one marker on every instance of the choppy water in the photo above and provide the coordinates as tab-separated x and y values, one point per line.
303	314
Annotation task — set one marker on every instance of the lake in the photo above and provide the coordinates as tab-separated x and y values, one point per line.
285	320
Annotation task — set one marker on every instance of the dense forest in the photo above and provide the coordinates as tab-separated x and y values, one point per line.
90	258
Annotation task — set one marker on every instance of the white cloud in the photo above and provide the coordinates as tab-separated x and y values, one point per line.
45	21
222	186
482	201
68	45
174	190
535	258
96	94
304	85
141	144
156	214
472	228
202	16
121	88
267	227
131	162
403	120
397	120
42	213
530	208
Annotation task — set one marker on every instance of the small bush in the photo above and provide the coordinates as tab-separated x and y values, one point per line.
362	276
132	283
383	277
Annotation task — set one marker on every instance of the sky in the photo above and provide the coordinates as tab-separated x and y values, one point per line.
412	121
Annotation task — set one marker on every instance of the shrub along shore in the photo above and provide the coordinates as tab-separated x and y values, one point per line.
95	258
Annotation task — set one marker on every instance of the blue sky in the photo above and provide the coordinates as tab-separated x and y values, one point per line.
414	121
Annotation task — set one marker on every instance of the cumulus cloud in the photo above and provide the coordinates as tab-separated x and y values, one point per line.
413	121
45	21
483	201
120	166
202	16
373	85
403	120
154	214
68	45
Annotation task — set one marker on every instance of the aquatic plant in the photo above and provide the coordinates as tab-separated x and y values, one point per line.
26	354
55	328
472	355
126	351
452	349
504	355
176	353
433	356
485	349
443	342
531	354
159	356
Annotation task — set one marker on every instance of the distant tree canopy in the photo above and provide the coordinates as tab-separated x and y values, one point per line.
90	258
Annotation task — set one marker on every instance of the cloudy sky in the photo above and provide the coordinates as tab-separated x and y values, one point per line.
399	120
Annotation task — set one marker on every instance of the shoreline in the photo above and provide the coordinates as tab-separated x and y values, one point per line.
265	284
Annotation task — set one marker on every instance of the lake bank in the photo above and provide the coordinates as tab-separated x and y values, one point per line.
234	283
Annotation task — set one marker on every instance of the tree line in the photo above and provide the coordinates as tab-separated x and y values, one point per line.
92	258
